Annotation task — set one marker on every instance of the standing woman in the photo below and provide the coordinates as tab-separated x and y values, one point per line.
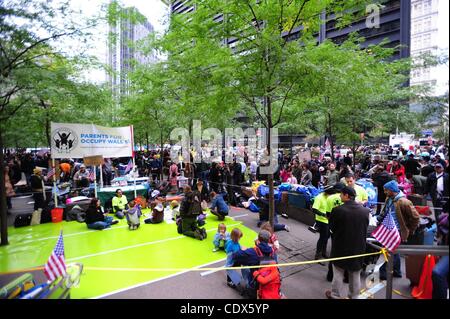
37	187
9	187
173	173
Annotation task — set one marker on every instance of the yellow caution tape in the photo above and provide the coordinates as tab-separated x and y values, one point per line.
208	268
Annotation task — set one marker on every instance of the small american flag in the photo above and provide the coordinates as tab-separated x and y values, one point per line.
91	175
56	266
51	172
387	233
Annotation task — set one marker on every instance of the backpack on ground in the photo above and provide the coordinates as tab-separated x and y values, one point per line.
23	220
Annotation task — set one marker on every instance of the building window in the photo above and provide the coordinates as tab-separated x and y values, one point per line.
426	40
427	6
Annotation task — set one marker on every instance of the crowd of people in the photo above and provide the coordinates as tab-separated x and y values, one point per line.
341	209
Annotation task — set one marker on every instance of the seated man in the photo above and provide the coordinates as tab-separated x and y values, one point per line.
81	177
218	206
119	204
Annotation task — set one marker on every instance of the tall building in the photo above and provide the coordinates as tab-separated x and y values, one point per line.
429	34
123	53
394	25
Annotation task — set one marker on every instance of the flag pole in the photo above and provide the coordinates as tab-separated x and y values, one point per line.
95	181
134	177
132	156
54	182
101	176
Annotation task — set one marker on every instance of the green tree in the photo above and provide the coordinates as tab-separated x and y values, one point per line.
28	31
234	55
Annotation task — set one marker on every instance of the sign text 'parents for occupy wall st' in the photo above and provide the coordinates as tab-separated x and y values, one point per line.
70	140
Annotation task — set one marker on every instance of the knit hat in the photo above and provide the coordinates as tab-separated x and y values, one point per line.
348	191
264	236
392	186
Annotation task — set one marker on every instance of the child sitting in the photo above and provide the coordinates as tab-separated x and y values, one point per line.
221	237
273	241
232	246
157	215
133	215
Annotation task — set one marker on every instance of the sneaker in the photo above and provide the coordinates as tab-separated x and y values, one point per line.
312	229
285	215
231	284
114	222
286	228
215	249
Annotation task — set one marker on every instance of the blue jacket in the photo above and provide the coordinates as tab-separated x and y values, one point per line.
217	238
232	247
220	203
249	256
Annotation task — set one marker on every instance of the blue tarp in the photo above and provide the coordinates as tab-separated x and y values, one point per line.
370	189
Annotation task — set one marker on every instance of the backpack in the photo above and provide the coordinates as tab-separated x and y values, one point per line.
271	288
195	207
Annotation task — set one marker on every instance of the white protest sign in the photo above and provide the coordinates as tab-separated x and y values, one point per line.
71	140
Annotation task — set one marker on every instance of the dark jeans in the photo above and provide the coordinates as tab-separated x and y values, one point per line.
324	232
440	278
8	202
101	224
397	267
276	226
38	200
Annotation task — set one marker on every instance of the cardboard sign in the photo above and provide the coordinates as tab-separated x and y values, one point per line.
93	160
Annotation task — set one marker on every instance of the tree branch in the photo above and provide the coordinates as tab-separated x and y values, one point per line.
295	21
282	105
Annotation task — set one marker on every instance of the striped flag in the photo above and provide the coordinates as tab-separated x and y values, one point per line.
51	172
91	174
56	266
387	233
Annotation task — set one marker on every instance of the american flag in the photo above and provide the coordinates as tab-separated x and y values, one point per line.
129	166
51	172
91	174
56	266
387	233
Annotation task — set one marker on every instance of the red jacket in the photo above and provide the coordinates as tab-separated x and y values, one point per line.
269	282
398	171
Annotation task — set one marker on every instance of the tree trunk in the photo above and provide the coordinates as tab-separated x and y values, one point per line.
330	136
161	159
3	206
47	123
270	175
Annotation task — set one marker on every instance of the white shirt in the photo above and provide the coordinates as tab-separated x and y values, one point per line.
253	167
243	167
440	183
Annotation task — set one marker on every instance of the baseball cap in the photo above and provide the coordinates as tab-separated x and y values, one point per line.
339	186
439	165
